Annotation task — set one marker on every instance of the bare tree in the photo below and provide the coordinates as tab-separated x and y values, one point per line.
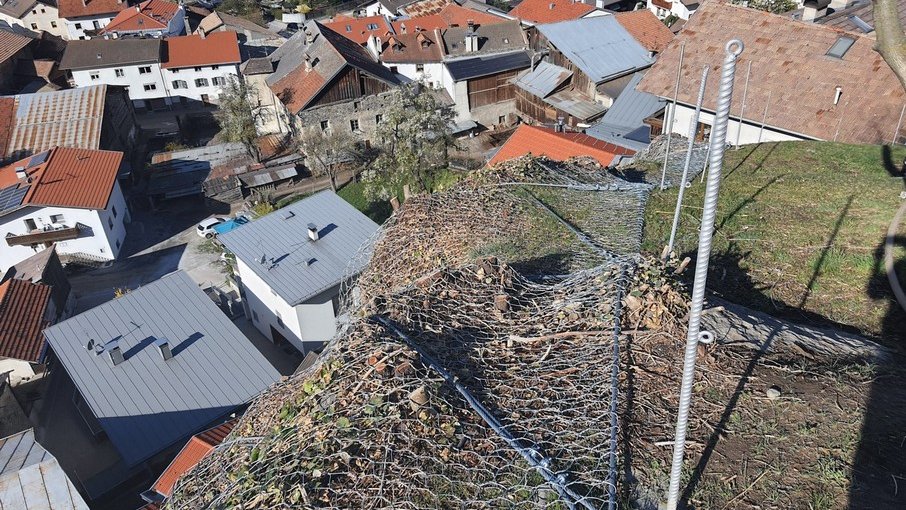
890	36
237	116
327	151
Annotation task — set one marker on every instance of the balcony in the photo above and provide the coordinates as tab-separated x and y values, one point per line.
48	234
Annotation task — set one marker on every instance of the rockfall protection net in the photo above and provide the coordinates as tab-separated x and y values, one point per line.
477	369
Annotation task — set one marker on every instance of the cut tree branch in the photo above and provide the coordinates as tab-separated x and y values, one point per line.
891	41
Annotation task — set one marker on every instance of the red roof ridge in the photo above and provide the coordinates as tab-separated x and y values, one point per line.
542	141
157	11
198	446
551	11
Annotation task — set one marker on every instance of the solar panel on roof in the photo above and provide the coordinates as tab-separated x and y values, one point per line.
11	197
37	159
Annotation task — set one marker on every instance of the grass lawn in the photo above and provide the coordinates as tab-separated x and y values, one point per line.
799	231
379	210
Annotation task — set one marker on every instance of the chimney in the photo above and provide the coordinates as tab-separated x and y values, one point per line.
559	127
115	353
471	23
313	232
471	40
163	346
809	12
138	8
202	34
308	65
309	37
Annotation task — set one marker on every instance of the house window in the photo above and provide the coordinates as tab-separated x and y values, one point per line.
354	124
174	71
34	11
197	69
180	84
372	26
113	210
119	73
325	125
378	118
81	37
34	26
149	87
349	28
419	68
53	24
43	11
57	218
215	68
201	82
218	81
30	225
78	26
356	105
144	70
110	223
393	69
94	75
97	25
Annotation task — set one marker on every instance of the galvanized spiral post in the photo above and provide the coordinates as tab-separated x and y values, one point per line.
693	128
718	143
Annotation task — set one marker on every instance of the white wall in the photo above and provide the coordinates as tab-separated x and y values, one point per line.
303	324
676	7
87	23
162	79
431	74
41	17
748	134
376	8
101	241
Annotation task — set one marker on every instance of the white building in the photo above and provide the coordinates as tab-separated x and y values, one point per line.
682	9
157	72
33	15
64	197
84	19
151	18
291	263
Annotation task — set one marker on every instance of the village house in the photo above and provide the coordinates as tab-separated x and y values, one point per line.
480	64
149	369
151	18
581	68
321	80
34	294
682	9
34	15
359	30
96	117
628	122
157	72
64	197
559	145
84	19
807	82
417	55
253	38
32	479
291	263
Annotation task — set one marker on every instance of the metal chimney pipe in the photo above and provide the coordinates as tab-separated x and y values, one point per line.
693	128
733	49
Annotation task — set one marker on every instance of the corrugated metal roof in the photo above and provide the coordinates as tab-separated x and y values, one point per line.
146	404
268	176
623	123
281	239
67	118
576	104
32	479
467	68
544	79
599	46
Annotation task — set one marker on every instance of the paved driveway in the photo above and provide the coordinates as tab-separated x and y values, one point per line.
157	243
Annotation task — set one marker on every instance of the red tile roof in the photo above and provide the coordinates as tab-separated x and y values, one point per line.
540	141
148	15
298	87
194	50
644	26
412	48
663	4
550	11
11	44
451	15
86	8
69	177
792	75
22	308
198	446
356	29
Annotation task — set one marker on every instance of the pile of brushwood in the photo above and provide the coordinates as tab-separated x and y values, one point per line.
477	372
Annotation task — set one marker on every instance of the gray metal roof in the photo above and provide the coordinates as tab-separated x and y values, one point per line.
32	479
295	267
496	38
145	403
599	46
100	53
544	79
622	124
468	68
269	175
575	104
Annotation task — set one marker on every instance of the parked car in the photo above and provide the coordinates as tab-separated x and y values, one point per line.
206	227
